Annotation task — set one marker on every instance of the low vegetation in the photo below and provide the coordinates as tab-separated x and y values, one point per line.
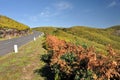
82	53
24	64
68	61
86	36
76	53
6	22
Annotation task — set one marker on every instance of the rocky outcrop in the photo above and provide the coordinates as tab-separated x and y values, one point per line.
117	32
5	32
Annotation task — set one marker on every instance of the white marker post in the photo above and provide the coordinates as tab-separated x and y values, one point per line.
15	48
9	37
34	39
42	34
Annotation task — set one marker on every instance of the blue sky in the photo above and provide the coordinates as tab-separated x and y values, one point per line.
63	13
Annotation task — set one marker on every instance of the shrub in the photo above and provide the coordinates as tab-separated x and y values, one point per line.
71	62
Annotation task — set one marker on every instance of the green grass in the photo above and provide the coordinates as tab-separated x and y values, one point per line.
22	65
2	39
97	37
47	30
6	22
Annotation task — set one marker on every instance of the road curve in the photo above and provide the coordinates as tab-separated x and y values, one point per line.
7	46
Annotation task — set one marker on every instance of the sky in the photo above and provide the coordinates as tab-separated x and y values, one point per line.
63	13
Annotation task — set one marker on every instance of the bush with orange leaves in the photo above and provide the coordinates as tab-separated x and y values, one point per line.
71	62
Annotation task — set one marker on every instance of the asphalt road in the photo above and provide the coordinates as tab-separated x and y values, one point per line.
7	46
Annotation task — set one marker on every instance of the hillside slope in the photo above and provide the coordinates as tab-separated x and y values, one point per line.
6	22
116	30
86	36
10	28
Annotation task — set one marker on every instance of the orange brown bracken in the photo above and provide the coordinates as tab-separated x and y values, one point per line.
102	67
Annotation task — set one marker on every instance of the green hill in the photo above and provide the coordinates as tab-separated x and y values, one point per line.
6	22
117	27
115	30
86	36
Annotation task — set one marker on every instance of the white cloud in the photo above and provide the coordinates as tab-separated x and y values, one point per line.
53	10
63	5
45	13
112	4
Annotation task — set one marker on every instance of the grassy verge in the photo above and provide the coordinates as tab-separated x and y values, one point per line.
2	39
22	66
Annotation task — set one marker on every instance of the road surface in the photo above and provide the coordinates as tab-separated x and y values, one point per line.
7	46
